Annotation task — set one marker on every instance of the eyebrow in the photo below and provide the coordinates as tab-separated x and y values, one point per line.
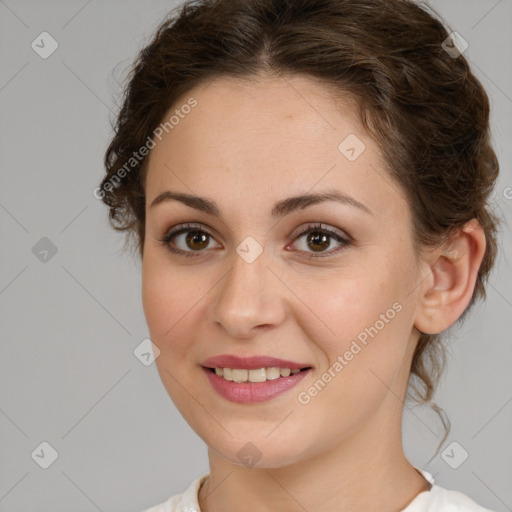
280	209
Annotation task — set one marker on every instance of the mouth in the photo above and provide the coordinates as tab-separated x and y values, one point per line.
250	386
254	375
257	378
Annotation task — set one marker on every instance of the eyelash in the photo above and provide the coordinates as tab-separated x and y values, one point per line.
311	228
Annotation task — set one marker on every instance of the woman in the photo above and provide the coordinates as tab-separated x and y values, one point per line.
307	184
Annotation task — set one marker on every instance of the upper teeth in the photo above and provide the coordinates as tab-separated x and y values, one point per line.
259	375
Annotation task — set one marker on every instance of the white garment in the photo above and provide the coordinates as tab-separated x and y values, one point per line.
437	499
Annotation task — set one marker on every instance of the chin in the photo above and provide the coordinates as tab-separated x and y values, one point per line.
258	453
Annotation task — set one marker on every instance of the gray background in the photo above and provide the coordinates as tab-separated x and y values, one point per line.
68	375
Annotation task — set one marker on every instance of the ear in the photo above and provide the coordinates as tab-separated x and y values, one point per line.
452	270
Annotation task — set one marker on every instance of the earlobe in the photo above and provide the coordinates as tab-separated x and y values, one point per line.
454	270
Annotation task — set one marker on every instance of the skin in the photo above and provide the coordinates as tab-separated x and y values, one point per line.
247	145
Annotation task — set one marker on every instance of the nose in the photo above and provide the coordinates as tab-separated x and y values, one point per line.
248	299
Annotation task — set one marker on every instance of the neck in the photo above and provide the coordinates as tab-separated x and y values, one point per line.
367	471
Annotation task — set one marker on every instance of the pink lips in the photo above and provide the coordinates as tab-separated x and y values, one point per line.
250	363
252	392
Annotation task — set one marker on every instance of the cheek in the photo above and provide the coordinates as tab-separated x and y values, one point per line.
174	299
340	308
156	298
164	298
360	330
169	312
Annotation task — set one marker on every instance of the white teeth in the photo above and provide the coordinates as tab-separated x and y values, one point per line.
273	373
256	375
240	375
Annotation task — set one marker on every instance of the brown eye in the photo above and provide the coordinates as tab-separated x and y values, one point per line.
187	240
197	239
318	239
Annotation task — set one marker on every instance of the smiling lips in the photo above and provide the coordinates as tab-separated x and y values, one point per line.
251	363
252	379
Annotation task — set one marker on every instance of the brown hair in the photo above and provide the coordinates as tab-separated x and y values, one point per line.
421	103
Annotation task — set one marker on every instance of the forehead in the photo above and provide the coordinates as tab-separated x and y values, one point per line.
267	107
268	137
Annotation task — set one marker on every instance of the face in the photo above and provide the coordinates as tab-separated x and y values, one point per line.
328	285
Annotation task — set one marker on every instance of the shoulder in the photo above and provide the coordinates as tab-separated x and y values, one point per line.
187	501
445	500
439	499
